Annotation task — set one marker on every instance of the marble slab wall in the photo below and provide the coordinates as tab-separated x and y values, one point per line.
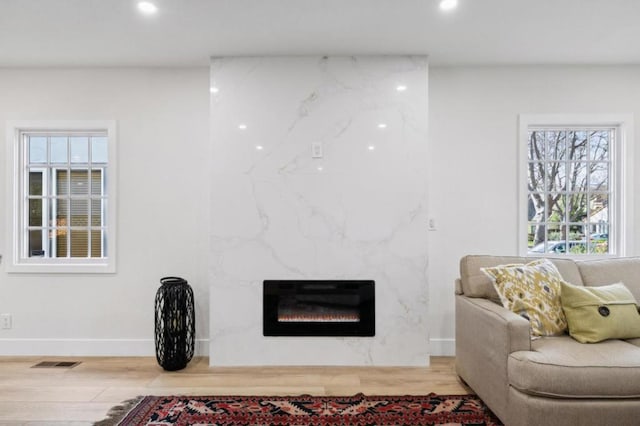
357	212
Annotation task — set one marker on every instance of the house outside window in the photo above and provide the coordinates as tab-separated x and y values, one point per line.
574	193
63	203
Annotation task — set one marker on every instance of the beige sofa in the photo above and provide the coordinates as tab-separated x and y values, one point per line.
549	380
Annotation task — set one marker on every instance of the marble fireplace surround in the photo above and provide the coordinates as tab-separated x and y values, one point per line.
359	211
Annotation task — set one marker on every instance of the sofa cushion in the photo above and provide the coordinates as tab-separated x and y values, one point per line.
599	313
562	367
610	271
533	292
634	342
476	284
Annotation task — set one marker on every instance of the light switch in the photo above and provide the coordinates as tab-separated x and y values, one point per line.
316	149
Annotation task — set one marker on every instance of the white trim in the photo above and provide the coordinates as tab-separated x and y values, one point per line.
14	264
624	154
442	347
87	347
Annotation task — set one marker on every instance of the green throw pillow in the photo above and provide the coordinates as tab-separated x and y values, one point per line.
599	313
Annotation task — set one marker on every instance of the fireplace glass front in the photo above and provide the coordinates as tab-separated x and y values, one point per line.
318	308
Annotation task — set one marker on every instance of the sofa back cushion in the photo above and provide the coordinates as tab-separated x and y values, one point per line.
609	271
476	284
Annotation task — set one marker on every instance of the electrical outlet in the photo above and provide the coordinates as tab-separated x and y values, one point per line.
5	321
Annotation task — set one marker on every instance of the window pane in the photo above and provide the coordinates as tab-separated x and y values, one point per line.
599	180
577	232
555	145
61	208
79	243
79	149
35	212
599	145
96	243
599	247
536	206
96	182
577	177
556	176
62	235
536	145
577	247
35	243
577	145
599	237
99	152
37	149
79	212
535	234
58	149
578	207
96	212
537	218
79	182
599	208
62	182
556	207
35	183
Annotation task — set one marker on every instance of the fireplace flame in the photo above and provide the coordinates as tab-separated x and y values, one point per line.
318	318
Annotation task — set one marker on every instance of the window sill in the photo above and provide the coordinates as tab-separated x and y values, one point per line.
61	268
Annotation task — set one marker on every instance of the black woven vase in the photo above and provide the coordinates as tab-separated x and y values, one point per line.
175	323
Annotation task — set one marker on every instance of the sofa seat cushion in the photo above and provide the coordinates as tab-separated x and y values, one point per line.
564	368
635	342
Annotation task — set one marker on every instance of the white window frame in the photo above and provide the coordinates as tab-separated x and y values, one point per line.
17	263
621	221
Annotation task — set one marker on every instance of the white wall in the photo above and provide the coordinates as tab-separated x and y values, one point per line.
276	215
162	120
473	129
163	123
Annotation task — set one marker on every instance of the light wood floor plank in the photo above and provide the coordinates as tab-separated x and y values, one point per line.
81	395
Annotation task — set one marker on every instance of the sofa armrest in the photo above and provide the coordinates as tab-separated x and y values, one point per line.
486	333
486	322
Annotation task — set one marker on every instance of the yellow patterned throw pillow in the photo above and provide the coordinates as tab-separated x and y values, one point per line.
532	291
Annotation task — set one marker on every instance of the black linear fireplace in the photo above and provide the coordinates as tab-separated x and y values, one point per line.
318	308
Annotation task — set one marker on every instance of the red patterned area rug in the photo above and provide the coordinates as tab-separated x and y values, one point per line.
358	410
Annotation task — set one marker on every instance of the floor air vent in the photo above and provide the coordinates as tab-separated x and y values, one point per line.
56	364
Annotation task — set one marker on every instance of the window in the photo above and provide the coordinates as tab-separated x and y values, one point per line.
63	203
575	202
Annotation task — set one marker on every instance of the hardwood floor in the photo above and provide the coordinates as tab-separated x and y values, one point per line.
85	393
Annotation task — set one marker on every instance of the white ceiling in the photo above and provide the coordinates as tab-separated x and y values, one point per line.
188	32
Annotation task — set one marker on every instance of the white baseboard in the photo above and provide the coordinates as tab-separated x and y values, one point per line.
442	347
87	347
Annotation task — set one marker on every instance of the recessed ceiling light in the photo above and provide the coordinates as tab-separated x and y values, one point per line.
242	126
382	126
214	89
401	88
448	4
320	168
147	7
371	147
259	147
